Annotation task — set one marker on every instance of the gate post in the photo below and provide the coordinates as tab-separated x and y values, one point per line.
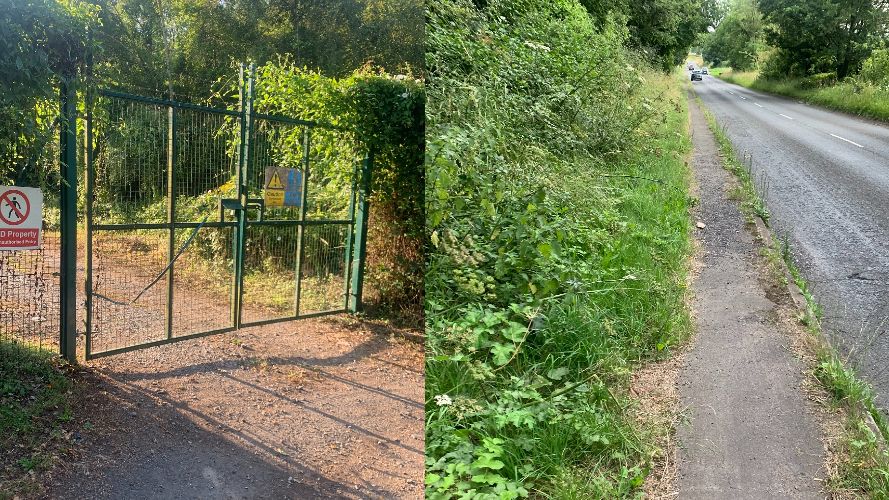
360	245
68	219
243	174
301	229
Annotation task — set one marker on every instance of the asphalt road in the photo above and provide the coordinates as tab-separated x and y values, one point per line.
825	178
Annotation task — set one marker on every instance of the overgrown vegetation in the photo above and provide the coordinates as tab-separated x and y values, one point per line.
864	458
34	403
558	231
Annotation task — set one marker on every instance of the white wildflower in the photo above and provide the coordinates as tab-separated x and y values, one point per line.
443	400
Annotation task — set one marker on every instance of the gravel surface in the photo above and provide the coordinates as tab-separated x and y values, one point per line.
328	408
830	197
751	432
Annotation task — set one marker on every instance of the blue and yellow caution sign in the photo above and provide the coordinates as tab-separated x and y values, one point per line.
283	187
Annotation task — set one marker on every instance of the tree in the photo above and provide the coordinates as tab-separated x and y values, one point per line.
41	41
816	36
665	29
737	37
662	29
197	41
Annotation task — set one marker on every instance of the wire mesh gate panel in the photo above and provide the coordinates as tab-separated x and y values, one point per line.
179	241
296	265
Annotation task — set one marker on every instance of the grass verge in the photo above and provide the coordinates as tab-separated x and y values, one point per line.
35	397
863	459
849	96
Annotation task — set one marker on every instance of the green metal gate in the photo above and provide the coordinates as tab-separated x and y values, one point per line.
179	240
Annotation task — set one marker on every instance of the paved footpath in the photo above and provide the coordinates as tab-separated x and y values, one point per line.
750	431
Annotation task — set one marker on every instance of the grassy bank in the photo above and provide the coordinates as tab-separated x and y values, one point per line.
852	97
860	464
559	239
35	393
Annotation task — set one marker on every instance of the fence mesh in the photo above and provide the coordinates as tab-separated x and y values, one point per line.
29	279
270	259
324	280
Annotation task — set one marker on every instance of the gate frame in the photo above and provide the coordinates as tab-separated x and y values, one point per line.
359	205
68	219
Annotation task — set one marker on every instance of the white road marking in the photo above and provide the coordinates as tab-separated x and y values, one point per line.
742	97
847	140
758	104
785	116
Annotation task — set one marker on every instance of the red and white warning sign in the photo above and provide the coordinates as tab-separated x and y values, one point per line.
21	218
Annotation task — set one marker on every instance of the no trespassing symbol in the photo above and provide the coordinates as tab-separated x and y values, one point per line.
21	218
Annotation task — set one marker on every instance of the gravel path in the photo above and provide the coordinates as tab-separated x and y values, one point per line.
329	408
751	433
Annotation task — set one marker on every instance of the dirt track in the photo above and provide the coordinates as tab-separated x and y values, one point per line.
305	409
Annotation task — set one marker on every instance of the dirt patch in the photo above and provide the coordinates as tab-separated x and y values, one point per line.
305	409
656	391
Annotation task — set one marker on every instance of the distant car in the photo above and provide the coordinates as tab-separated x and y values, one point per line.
696	75
691	66
704	71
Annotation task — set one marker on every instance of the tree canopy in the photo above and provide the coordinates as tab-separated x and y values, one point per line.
810	36
825	35
737	38
662	29
141	44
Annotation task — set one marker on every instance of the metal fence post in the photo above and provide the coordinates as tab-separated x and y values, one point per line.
301	230
243	192
68	219
171	213
88	223
350	237
360	244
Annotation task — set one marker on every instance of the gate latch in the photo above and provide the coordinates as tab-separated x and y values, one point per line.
228	204
235	204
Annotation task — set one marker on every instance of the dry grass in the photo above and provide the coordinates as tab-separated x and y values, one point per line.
656	391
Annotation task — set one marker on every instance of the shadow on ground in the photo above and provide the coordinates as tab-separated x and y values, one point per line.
308	409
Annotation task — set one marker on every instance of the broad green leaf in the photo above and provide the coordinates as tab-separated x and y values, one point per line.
557	373
501	353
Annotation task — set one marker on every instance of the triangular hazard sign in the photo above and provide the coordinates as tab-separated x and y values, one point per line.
275	182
